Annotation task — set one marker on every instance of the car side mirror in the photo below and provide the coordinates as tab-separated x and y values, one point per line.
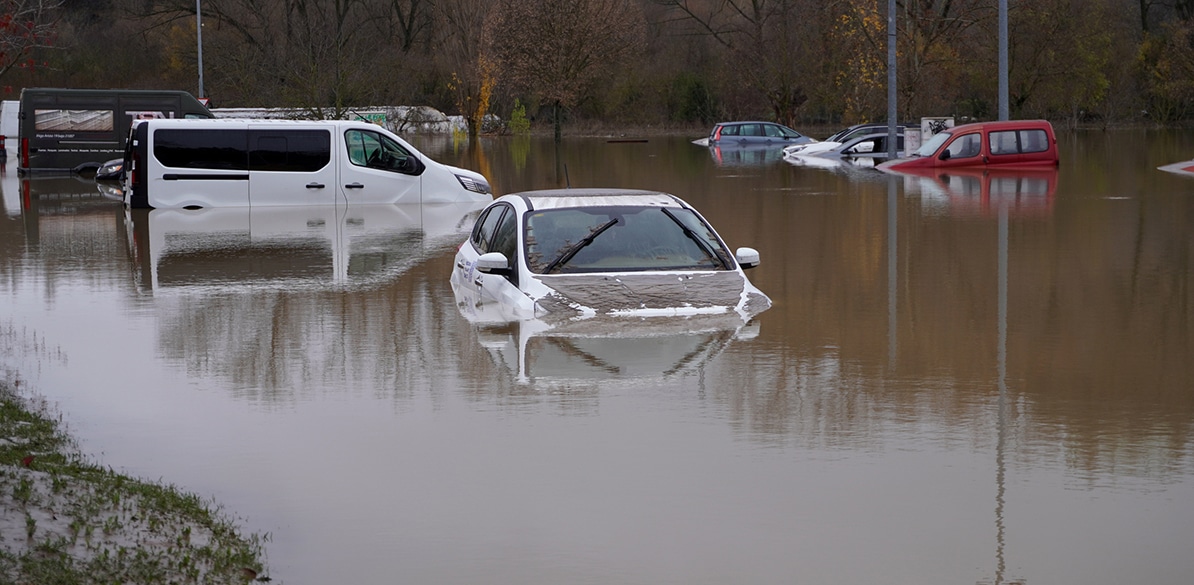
747	257
493	263
945	155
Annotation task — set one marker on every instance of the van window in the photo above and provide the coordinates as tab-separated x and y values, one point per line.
302	151
1004	142
376	151
1033	141
202	149
1029	141
965	146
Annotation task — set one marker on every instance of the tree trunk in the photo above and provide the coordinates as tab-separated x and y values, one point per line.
558	120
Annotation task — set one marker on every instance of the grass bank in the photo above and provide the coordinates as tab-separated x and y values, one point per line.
65	519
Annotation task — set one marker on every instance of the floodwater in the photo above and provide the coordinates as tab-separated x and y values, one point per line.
982	379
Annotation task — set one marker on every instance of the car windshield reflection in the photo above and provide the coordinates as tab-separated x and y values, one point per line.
603	239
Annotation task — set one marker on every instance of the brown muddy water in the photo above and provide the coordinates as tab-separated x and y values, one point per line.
984	379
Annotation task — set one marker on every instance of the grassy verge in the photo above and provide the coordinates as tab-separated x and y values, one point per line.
64	519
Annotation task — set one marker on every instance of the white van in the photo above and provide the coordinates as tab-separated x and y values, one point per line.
237	162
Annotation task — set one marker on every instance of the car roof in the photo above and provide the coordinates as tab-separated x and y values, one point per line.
566	198
1003	124
747	122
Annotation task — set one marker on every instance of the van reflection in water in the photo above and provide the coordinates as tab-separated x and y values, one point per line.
285	247
984	191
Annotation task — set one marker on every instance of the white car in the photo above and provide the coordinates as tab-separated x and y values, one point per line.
576	253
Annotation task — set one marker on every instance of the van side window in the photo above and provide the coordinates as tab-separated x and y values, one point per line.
202	149
303	151
1033	141
1004	142
965	146
376	151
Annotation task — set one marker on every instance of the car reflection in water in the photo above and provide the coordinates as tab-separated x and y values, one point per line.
601	349
732	155
984	191
288	247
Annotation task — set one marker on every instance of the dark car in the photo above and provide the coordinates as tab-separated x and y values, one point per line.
755	133
856	130
112	170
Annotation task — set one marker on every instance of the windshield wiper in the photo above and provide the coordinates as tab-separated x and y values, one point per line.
704	245
574	248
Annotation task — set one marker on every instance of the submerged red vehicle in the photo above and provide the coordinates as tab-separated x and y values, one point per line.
1008	144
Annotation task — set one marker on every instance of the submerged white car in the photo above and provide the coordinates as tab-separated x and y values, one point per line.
576	253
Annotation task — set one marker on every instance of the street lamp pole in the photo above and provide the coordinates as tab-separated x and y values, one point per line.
199	37
892	111
1003	61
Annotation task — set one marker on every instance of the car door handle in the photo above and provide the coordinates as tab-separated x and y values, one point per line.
314	185
354	186
460	265
477	281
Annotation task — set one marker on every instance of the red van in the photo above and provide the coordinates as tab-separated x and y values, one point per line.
1009	144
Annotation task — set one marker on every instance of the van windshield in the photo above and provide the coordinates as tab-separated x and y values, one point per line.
930	147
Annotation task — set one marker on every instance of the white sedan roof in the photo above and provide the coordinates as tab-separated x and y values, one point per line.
566	198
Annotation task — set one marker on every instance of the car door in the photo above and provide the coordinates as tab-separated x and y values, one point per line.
1004	147
378	170
963	150
495	231
777	134
291	166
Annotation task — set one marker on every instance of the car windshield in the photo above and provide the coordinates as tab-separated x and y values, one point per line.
622	238
930	147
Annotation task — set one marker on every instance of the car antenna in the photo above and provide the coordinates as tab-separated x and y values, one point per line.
567	181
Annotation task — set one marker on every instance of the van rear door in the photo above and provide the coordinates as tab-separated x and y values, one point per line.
291	165
378	169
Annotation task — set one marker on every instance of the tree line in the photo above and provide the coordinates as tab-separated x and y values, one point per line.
627	62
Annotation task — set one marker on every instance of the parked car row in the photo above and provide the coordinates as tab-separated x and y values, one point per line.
1005	144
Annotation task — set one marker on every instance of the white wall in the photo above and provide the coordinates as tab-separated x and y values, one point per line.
9	126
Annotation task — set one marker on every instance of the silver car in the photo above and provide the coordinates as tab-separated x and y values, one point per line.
576	253
755	133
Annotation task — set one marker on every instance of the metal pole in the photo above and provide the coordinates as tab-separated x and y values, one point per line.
199	38
1003	61
891	78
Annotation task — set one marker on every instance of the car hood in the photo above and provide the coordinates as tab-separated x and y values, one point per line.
652	294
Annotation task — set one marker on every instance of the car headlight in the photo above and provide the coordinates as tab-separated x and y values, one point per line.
111	168
474	185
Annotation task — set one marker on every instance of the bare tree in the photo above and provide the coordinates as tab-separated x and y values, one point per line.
472	69
25	25
559	48
321	55
764	44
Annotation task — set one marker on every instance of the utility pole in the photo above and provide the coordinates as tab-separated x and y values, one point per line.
891	78
1003	61
199	37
